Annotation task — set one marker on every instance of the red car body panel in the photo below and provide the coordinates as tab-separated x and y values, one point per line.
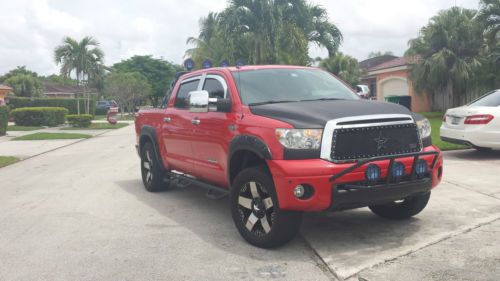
185	147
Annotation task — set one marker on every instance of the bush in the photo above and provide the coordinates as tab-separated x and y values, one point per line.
39	116
4	118
101	111
80	121
70	104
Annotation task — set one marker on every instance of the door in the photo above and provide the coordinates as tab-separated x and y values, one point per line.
177	130
212	135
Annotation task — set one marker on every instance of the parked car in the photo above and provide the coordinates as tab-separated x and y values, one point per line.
476	124
363	91
106	104
283	140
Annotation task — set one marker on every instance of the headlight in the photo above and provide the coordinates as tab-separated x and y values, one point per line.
424	126
300	138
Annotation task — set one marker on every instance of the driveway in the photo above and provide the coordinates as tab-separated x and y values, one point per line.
80	213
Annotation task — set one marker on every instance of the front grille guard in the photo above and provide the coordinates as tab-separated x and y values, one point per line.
413	175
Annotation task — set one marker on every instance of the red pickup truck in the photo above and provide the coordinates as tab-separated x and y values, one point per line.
282	140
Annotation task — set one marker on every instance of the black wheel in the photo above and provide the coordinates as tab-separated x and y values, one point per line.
256	213
403	209
152	173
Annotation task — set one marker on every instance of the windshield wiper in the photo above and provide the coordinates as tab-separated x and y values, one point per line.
270	102
322	99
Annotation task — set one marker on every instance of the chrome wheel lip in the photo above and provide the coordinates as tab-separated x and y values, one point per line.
256	208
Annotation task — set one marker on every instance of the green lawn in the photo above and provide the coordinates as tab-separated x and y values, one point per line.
7	160
22	128
436	119
98	126
52	136
118	117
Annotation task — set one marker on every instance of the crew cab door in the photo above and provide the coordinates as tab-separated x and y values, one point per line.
212	134
177	129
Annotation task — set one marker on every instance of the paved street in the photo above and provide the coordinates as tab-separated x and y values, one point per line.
80	212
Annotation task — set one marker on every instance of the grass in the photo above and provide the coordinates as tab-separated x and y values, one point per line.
22	128
97	126
436	119
52	136
126	117
7	160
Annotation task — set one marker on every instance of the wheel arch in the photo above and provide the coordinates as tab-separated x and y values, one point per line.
148	134
244	152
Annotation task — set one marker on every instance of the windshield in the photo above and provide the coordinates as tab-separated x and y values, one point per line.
490	99
289	85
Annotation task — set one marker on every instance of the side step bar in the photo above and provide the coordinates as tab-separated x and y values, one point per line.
213	191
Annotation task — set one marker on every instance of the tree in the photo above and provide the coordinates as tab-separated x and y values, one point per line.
379	54
265	32
449	48
344	66
59	80
489	15
159	73
84	59
127	88
18	70
25	85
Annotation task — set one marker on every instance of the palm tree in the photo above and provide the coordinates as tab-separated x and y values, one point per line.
344	66
489	14
449	48
266	31
211	43
83	59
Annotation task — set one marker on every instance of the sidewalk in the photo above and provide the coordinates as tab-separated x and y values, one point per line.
27	149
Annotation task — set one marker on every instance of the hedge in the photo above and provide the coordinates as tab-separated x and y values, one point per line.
101	111
80	121
39	116
69	104
4	119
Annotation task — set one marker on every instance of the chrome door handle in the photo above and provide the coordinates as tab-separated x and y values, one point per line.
196	121
167	119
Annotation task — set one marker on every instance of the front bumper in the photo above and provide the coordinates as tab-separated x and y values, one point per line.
328	179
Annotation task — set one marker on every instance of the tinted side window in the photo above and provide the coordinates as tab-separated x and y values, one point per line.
214	88
492	99
181	100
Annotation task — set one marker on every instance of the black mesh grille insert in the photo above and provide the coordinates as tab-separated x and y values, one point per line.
366	142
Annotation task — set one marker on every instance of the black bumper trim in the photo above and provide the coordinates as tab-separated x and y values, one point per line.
456	141
349	196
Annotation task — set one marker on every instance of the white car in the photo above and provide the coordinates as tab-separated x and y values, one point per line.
476	124
363	91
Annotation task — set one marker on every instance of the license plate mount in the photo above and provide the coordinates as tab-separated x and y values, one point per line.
455	120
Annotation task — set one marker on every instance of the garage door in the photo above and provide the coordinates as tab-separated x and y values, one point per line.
395	87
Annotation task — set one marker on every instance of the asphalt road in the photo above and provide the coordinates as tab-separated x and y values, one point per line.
80	213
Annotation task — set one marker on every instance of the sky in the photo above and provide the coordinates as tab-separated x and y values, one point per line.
31	29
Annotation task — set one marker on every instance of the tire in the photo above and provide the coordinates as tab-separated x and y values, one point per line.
151	171
408	208
256	213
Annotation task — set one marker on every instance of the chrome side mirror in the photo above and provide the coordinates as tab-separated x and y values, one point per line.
198	101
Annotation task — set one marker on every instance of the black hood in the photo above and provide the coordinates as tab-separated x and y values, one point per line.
315	114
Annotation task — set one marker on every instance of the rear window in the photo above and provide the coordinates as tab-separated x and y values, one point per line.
490	99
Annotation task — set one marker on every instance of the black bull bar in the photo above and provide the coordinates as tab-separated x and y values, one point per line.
355	195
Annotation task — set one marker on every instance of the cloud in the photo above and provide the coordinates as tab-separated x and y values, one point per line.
31	29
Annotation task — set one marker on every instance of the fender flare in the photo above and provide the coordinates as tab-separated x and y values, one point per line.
148	133
248	143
